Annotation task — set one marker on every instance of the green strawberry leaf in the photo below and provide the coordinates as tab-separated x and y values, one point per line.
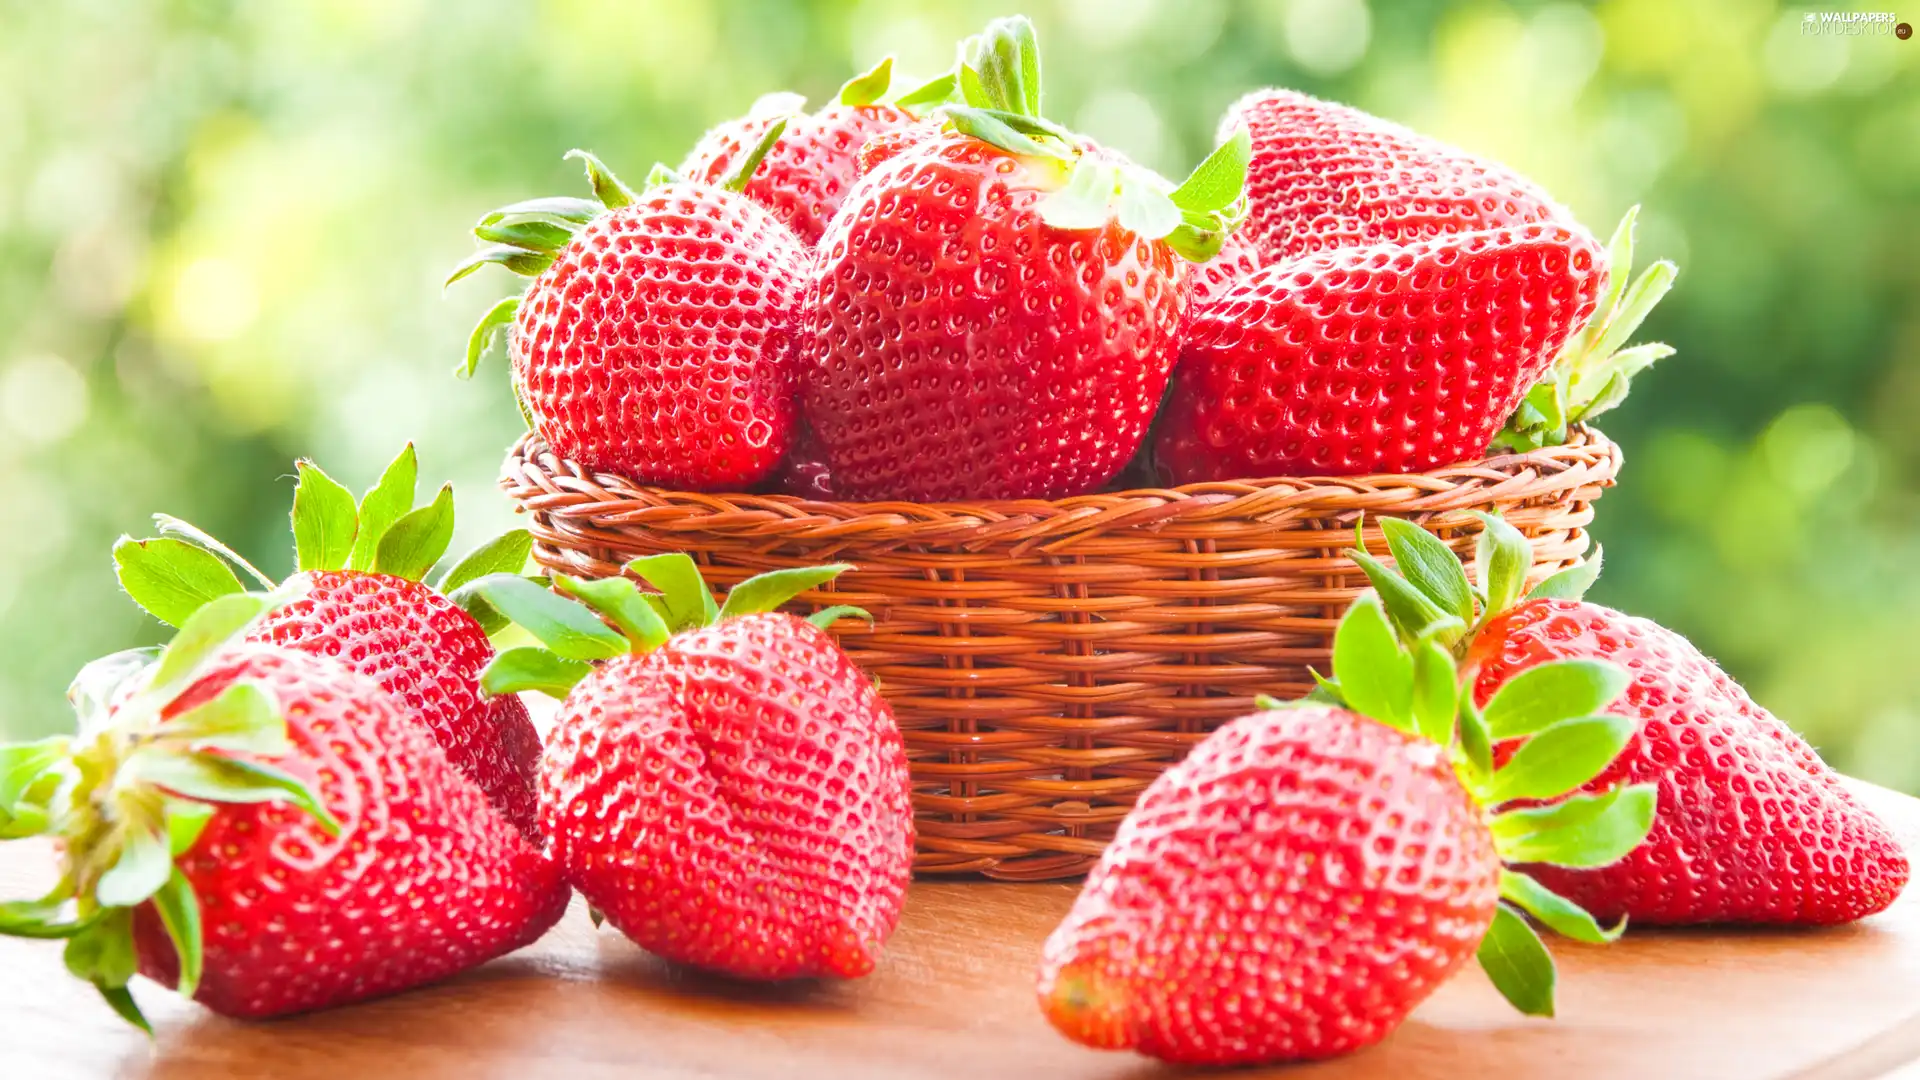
171	579
146	858
1375	673
606	187
1005	59
217	622
1475	745
570	630
1561	915
244	718
1436	692
417	540
1581	831
530	668
504	554
383	504
1082	202
1220	178
325	520
527	235
120	1000
44	919
1430	566
991	126
870	87
186	820
1571	583
683	592
1413	611
173	527
1542	696
827	616
103	952
1518	963
179	911
766	592
938	91
1501	559
619	600
519	260
214	778
736	181
1562	757
23	764
563	211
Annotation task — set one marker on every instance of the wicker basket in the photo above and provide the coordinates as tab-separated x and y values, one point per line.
1047	659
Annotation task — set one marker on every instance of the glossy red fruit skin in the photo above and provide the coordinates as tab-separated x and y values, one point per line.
1326	176
958	348
736	800
1213	279
421	648
1395	358
659	345
810	168
424	880
1291	890
1751	826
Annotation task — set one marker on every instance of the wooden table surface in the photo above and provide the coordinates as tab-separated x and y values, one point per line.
953	998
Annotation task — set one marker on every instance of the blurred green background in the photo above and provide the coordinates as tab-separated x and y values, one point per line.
223	228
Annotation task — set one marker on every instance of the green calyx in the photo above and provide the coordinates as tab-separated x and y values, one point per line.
172	576
993	94
868	87
599	620
1595	369
1413	683
134	789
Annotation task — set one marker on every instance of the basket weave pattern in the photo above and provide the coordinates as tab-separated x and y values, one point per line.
1046	660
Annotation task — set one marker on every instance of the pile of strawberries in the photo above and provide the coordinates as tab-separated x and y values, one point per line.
948	296
327	788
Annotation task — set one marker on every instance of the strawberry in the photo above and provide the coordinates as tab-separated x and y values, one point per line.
1327	176
657	339
1310	873
1236	261
810	168
1390	358
726	789
264	830
361	600
995	309
1752	828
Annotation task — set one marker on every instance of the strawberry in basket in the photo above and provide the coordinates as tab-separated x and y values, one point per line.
814	162
1407	356
362	600
657	338
994	310
1752	827
262	829
725	788
1311	872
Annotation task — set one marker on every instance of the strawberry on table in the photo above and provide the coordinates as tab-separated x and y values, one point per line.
658	337
813	164
1752	828
725	788
264	830
1328	176
361	598
994	311
1311	872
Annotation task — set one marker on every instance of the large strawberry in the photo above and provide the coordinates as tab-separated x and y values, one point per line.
814	163
726	789
361	600
657	339
1391	358
1753	827
263	830
1310	873
995	309
1328	176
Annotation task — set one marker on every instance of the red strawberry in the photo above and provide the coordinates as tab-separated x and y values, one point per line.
1328	176
1392	358
1213	279
1310	873
266	831
1752	826
981	323
360	600
657	338
812	165
736	798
